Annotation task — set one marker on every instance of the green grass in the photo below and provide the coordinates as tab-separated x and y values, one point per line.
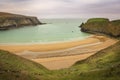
102	26
104	65
15	67
98	20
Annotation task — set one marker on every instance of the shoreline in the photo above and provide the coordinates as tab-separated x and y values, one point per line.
49	47
36	43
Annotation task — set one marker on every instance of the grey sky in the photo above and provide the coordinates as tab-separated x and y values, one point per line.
63	8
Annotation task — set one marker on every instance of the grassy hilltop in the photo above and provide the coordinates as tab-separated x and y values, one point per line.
102	25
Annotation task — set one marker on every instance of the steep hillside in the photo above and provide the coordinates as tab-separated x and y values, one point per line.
13	67
102	25
104	65
9	21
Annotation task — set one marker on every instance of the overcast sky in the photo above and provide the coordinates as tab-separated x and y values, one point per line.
63	8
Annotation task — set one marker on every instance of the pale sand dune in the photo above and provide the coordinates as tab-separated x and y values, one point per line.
61	55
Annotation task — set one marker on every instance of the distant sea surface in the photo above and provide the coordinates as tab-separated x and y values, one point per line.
56	30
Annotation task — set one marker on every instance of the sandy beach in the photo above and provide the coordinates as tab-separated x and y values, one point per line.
56	63
68	57
61	55
15	48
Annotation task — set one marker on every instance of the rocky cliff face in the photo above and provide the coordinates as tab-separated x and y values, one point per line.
8	21
102	25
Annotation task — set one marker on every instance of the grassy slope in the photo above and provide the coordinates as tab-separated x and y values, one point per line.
13	67
104	65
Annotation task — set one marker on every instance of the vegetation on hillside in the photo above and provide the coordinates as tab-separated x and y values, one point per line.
13	67
102	25
98	20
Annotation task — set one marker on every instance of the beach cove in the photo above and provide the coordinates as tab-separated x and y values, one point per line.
56	55
56	49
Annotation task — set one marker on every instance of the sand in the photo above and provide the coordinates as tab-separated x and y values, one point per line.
63	54
81	52
56	63
49	47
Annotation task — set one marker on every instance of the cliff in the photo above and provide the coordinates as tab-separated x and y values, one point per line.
102	25
8	21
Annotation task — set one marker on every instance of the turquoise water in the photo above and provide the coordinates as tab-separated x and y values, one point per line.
54	31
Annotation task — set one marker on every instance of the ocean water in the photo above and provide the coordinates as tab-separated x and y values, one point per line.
56	30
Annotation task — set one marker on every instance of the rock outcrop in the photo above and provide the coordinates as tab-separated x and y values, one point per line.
102	25
9	21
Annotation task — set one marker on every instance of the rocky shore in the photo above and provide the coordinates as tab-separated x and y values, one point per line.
102	26
10	21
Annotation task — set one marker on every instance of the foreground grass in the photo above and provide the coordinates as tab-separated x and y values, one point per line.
13	67
104	65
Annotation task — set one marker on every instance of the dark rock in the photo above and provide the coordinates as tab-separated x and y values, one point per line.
81	25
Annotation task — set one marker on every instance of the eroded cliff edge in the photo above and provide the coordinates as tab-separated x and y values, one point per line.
9	21
103	26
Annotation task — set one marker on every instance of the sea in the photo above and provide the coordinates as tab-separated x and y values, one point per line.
55	30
